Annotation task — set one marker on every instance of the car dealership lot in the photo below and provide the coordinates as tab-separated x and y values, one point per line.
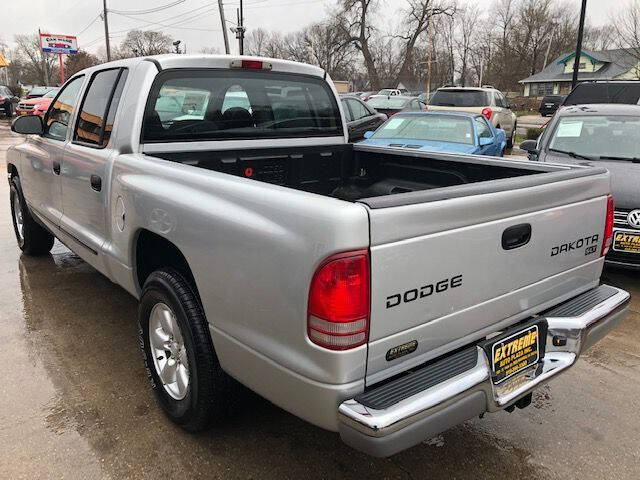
76	404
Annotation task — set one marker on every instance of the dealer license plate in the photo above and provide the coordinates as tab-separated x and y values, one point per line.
627	242
514	352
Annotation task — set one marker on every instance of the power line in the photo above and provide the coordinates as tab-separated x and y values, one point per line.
175	24
87	27
149	10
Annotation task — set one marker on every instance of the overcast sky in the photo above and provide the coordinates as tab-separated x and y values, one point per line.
195	22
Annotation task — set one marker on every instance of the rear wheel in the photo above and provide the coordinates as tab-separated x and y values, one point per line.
512	138
181	362
32	238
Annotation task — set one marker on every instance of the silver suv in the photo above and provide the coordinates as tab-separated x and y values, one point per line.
486	100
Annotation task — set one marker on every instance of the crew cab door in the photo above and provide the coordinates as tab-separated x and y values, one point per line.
43	156
85	170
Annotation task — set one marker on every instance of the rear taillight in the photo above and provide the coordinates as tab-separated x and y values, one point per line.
338	312
251	64
487	112
608	227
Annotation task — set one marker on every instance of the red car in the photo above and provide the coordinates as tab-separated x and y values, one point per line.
36	106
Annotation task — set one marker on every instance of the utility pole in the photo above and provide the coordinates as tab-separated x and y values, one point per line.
576	62
44	60
546	55
224	28
429	56
106	29
240	30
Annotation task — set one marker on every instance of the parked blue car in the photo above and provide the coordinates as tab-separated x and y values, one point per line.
447	132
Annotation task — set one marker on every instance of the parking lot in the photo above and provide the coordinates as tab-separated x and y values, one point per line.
76	404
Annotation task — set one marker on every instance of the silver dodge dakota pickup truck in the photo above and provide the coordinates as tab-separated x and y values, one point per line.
384	293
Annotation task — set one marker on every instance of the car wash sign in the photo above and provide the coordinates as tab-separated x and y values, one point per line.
53	43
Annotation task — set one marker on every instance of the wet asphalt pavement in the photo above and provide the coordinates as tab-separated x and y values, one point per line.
74	400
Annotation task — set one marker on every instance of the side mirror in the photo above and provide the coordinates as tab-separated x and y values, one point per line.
486	141
28	125
368	134
529	146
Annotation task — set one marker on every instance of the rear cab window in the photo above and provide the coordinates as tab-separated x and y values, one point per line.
460	98
585	93
211	104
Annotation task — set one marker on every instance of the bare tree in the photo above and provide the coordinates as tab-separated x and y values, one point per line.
79	61
356	27
256	41
139	43
417	17
626	24
599	38
39	67
466	25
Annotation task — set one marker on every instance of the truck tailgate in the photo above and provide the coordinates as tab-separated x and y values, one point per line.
453	270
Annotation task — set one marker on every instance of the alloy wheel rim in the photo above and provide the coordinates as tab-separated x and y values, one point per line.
18	218
168	351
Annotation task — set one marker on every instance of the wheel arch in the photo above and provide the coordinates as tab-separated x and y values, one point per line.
152	252
12	171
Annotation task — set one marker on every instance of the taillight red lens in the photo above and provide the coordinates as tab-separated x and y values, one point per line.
251	64
608	227
338	312
487	112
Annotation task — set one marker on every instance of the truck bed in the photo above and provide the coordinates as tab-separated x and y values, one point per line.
364	173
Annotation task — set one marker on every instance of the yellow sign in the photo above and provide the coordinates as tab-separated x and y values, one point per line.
626	242
515	353
3	61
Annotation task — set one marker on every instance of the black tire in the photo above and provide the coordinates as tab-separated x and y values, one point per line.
211	393
10	110
35	239
513	136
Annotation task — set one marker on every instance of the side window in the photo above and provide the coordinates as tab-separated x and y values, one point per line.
59	114
90	128
347	110
358	110
483	129
113	108
415	105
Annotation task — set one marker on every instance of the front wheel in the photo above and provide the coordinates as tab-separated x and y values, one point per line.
179	357
32	238
512	138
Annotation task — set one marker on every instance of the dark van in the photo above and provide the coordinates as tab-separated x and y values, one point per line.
550	104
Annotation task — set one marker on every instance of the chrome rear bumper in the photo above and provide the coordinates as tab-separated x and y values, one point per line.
579	323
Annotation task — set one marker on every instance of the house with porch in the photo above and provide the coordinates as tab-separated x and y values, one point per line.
555	78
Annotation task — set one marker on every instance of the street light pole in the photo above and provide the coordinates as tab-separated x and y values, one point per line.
576	61
240	29
106	29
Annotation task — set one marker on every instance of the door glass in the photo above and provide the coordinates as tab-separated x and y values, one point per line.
347	112
113	108
59	114
483	128
358	110
89	128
